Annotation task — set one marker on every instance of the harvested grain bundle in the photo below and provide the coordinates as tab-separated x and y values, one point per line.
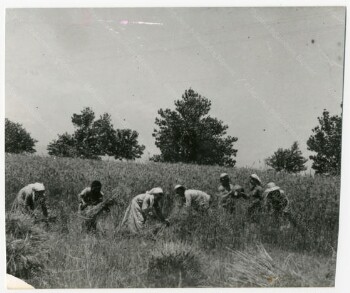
175	264
26	246
21	226
91	213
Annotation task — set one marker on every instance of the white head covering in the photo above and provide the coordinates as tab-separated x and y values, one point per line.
223	175
156	190
38	187
271	186
179	186
256	177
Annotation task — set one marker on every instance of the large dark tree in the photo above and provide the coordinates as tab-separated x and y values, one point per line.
127	144
17	139
94	138
289	160
188	134
326	143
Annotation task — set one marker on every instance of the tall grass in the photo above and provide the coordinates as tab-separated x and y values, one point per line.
112	259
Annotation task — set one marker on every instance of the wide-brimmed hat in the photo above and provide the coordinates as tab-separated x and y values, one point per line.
271	186
38	187
255	177
156	190
223	175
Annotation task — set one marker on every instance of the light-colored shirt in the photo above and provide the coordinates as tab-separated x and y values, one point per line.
196	198
26	199
145	201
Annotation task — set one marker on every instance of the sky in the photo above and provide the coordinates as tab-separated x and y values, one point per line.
269	72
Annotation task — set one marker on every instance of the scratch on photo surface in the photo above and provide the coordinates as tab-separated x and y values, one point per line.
248	86
141	61
126	22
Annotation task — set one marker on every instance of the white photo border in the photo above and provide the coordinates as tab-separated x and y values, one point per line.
342	282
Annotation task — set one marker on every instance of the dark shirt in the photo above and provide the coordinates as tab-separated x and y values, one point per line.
257	192
90	198
277	201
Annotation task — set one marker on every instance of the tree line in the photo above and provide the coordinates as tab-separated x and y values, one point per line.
185	134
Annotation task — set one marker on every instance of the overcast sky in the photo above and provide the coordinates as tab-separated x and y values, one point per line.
269	72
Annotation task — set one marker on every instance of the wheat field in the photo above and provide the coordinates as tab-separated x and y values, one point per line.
213	250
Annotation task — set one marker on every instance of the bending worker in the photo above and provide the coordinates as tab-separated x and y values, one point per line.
91	205
228	193
276	202
256	194
190	198
140	207
30	197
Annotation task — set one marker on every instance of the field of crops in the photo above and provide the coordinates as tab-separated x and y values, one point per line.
215	250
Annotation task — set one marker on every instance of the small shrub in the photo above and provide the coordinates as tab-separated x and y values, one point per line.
174	264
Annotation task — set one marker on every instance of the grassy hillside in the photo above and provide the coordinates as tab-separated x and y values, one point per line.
213	250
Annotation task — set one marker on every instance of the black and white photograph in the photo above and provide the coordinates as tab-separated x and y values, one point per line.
173	147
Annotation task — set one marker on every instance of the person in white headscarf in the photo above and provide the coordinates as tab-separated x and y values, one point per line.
30	197
191	198
140	208
256	195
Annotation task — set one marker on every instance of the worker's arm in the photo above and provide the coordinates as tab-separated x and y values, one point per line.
29	203
238	191
224	194
284	201
243	194
255	193
100	198
158	211
147	204
188	200
81	197
44	207
268	205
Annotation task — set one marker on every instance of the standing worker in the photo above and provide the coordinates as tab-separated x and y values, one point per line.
196	199
228	193
140	207
29	198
